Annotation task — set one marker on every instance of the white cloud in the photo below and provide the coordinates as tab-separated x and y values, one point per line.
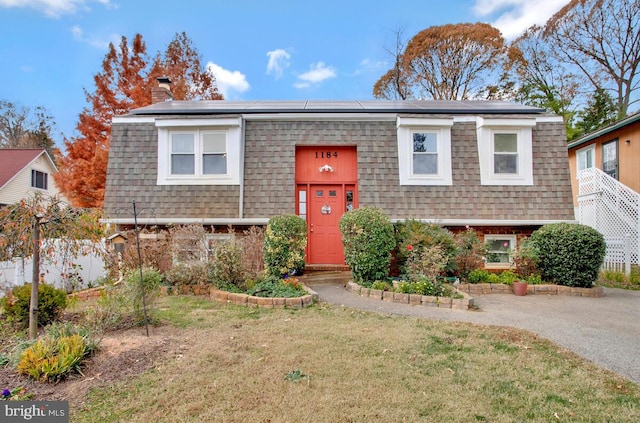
278	62
319	72
54	8
78	35
515	16
229	82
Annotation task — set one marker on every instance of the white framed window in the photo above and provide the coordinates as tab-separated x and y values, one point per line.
505	151
39	179
199	152
585	158
424	151
499	248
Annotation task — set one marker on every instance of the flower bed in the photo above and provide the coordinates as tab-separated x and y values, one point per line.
263	302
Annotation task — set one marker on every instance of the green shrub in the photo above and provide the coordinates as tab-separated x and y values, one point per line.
51	303
381	285
478	276
227	267
508	277
493	278
284	245
368	239
569	254
420	235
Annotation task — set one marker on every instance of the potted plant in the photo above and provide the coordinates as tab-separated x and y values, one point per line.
525	258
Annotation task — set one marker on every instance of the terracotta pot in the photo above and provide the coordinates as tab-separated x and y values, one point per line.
520	288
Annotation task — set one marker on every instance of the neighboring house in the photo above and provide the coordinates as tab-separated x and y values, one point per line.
23	172
614	149
605	178
498	167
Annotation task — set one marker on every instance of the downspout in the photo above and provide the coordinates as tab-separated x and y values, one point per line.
242	158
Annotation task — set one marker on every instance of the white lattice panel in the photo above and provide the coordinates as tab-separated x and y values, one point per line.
612	209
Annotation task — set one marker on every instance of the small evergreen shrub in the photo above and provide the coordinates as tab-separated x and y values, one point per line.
51	304
368	239
569	254
284	245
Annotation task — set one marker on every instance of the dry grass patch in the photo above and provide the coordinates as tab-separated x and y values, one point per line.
238	365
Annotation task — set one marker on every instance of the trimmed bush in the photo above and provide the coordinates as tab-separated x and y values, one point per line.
51	304
284	244
368	239
569	254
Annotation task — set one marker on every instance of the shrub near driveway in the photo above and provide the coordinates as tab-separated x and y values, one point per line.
368	238
569	254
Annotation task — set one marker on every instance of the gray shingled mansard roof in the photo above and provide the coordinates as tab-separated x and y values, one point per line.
333	106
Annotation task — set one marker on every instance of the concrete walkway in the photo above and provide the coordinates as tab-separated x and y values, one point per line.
604	330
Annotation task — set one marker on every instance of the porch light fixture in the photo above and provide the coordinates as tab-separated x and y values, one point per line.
325	168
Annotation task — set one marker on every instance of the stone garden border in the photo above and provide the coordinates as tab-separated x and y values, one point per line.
464	303
542	289
264	302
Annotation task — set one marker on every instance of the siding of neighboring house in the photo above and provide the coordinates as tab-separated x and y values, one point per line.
20	187
269	175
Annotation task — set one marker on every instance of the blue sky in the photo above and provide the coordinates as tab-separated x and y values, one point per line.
276	49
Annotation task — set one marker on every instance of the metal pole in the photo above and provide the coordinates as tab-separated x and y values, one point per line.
144	298
35	275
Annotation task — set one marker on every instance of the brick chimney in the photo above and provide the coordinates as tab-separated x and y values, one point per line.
162	92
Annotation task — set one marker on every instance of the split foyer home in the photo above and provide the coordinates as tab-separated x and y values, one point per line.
23	172
498	167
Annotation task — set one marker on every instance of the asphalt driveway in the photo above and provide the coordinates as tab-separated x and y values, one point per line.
603	330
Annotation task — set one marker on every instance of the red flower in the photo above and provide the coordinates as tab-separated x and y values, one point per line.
410	247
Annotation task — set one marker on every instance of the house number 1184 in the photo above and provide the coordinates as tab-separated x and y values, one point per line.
326	154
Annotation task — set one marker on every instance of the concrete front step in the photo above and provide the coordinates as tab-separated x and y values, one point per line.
326	277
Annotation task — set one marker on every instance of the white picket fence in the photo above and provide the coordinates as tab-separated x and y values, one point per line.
613	209
58	269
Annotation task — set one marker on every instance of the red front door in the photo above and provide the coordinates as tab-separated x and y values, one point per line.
325	208
326	187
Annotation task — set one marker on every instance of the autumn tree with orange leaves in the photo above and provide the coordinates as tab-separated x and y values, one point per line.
124	84
448	62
